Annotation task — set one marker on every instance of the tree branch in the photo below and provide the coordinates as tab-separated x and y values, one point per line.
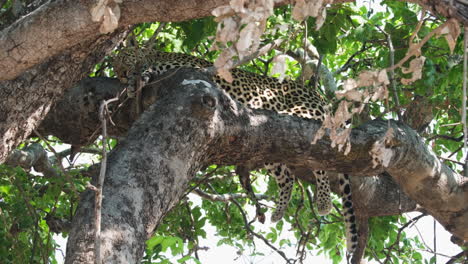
33	156
227	197
211	128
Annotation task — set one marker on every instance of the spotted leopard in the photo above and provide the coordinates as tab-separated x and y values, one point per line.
256	91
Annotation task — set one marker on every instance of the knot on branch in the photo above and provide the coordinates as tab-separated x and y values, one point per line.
204	102
382	150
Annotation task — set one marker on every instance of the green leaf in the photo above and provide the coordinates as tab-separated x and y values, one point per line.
153	241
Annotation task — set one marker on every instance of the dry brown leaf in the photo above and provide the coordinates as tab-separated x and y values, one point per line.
97	11
416	66
314	8
110	19
220	12
108	12
382	77
279	66
227	30
321	19
451	31
245	40
237	5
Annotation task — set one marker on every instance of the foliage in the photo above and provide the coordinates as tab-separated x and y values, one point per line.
27	202
353	39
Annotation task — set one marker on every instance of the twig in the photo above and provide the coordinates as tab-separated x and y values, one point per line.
244	178
247	226
465	69
414	49
59	163
350	59
317	72
456	257
400	230
452	124
453	153
98	197
392	70
438	254
376	257
227	197
203	180
457	139
435	240
263	50
193	236
418	26
312	209
303	64
451	160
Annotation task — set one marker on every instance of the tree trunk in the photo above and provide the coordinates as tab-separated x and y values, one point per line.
193	124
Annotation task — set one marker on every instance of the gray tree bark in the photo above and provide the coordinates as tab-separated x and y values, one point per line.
37	65
193	124
44	53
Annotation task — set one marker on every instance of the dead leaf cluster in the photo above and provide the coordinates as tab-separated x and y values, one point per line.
374	84
241	24
108	12
313	8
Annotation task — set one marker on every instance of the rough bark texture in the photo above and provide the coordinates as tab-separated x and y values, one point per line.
65	28
148	172
27	99
193	124
45	53
82	127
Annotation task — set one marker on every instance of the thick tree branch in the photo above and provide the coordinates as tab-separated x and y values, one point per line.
193	124
59	25
27	99
59	29
33	156
370	193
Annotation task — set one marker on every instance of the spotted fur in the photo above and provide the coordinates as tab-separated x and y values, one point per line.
256	91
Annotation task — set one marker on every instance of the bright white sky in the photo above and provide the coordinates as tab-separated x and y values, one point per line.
424	228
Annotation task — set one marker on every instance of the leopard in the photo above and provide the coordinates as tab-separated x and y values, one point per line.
286	97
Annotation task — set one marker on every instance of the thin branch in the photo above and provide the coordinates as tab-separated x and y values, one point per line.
457	257
227	197
400	230
103	110
261	51
456	139
200	182
418	26
67	176
414	49
244	178
155	34
455	151
392	70
247	226
193	235
451	160
347	64
465	69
